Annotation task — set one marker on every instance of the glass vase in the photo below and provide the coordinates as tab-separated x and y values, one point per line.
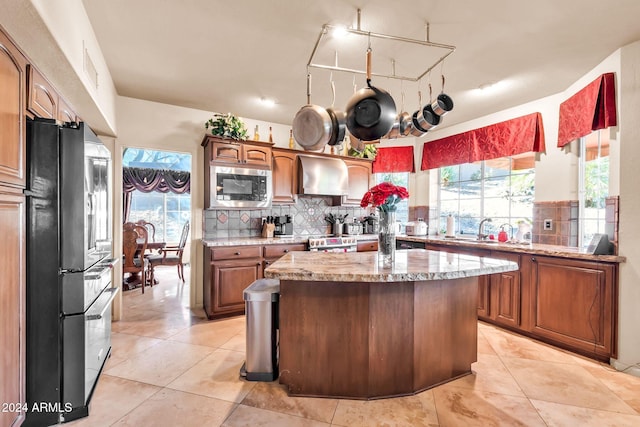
387	238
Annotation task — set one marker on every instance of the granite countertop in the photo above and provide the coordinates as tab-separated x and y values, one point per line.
529	248
241	241
410	265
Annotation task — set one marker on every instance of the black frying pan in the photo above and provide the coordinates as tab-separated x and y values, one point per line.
371	112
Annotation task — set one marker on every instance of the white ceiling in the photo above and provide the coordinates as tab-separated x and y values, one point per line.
223	56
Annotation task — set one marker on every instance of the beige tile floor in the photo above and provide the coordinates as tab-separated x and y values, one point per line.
172	367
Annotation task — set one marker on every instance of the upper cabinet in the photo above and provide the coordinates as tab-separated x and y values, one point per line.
244	153
13	67
43	100
285	177
359	175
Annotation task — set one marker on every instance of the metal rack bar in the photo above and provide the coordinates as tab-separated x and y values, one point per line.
327	27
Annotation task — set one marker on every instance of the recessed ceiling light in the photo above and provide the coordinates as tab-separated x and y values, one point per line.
492	87
270	103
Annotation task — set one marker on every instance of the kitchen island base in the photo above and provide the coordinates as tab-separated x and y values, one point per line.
369	340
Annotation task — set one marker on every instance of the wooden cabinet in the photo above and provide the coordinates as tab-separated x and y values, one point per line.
574	304
566	302
65	112
367	245
12	229
12	120
359	177
503	290
42	99
273	252
284	176
229	270
246	153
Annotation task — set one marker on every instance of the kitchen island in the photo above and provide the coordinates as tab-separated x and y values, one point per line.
351	329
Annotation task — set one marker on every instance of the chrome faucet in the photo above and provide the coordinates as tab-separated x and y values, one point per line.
481	235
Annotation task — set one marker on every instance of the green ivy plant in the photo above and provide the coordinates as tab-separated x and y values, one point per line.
369	152
227	126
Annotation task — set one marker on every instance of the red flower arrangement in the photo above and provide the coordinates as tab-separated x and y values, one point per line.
384	196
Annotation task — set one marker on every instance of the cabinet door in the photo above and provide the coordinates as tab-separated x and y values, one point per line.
12	303
12	108
226	152
230	279
42	99
284	177
359	175
484	297
368	246
256	156
573	303
65	113
505	292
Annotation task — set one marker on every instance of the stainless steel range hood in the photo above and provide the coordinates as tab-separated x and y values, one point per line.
322	176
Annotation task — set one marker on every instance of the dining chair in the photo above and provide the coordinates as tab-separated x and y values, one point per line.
170	255
151	231
134	244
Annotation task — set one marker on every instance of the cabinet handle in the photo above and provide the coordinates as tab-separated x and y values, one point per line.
533	259
286	250
258	264
237	253
267	262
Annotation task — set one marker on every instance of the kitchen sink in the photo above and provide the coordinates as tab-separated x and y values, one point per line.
469	240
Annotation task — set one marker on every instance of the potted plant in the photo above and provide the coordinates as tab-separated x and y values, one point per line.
227	126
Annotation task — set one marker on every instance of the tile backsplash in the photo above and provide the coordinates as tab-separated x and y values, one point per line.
307	213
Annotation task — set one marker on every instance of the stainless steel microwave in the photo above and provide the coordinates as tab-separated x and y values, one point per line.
240	187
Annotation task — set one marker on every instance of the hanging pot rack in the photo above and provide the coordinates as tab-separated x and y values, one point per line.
327	28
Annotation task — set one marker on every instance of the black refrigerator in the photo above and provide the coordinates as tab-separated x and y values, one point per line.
68	269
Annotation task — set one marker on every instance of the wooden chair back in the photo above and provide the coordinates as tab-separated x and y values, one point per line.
131	250
151	229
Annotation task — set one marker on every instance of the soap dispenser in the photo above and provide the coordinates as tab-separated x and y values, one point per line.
502	235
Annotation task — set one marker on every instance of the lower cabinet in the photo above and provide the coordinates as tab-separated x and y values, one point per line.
367	245
574	304
229	270
566	302
504	291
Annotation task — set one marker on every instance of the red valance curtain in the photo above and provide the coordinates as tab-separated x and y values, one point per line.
592	108
520	135
394	159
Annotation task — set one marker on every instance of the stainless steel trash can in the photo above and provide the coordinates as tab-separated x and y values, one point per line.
261	312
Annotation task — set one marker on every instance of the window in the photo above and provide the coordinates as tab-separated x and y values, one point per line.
594	184
167	211
501	189
401	179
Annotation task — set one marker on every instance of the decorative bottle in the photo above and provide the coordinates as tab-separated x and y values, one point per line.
256	134
270	134
292	142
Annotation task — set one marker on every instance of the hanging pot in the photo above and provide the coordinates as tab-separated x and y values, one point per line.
312	125
443	103
416	129
402	125
427	118
338	121
370	111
